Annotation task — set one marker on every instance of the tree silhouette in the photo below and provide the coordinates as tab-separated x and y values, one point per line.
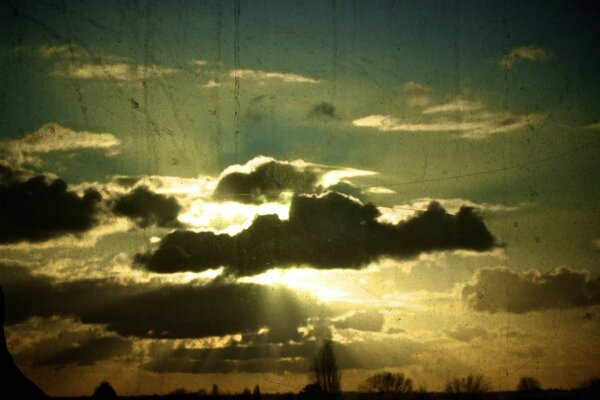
256	393
105	391
471	384
325	370
528	384
387	382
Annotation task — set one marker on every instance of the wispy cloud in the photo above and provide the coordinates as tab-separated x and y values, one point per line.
52	137
416	94
78	63
458	104
264	75
478	127
120	72
468	118
529	53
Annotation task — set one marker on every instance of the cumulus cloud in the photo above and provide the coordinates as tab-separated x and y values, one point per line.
263	180
148	208
52	137
501	289
160	311
39	209
529	53
326	231
262	76
416	94
369	320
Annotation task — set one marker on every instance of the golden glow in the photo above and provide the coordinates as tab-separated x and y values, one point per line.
228	217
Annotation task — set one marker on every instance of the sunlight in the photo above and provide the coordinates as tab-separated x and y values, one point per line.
306	280
229	217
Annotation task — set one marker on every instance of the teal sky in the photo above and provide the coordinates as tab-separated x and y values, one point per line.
484	103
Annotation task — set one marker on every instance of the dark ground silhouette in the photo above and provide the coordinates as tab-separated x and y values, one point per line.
13	384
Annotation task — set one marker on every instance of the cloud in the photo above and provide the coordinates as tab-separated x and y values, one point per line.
58	342
476	126
457	105
199	62
501	289
76	62
416	94
37	210
468	333
262	76
529	53
262	180
121	72
326	231
160	311
292	357
595	125
148	208
369	320
52	137
323	110
213	83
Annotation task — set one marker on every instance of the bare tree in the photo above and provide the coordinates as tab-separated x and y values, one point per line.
528	383
471	384
325	369
387	382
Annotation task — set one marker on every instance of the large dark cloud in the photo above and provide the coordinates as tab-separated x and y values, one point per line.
501	289
328	231
150	310
39	209
148	208
265	183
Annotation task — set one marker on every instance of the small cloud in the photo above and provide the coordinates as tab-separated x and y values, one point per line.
148	208
213	83
468	333
199	62
379	190
416	94
264	75
529	53
323	110
595	125
52	137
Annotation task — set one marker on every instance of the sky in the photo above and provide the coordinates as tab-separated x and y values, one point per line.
199	192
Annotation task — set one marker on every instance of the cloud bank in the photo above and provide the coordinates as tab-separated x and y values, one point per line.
504	290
